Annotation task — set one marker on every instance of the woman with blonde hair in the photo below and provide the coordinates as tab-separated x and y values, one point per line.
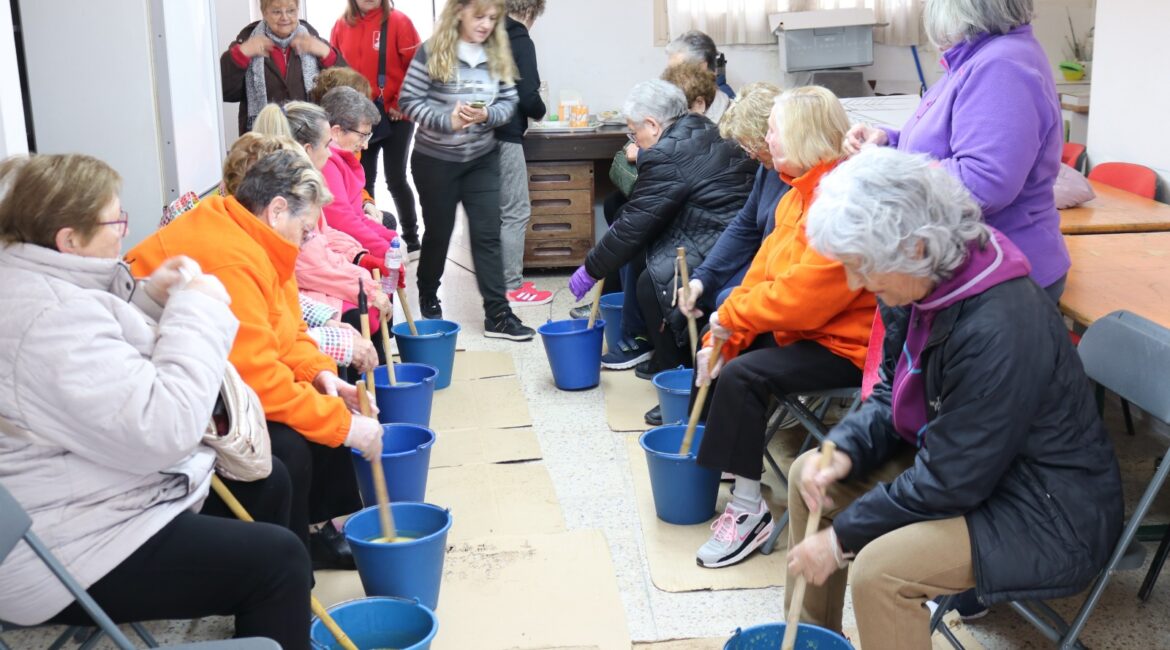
795	323
459	88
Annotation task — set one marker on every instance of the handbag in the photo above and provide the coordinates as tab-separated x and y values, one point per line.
238	431
623	173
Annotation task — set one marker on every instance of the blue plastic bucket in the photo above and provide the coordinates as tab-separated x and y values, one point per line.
684	491
378	623
409	401
573	352
771	635
611	311
674	394
434	346
406	457
411	569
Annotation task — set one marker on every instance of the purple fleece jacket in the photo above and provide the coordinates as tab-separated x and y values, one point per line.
994	122
993	263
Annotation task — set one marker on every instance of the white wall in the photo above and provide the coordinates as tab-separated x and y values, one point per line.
1131	99
13	138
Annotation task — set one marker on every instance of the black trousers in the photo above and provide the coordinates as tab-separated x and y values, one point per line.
733	440
442	186
394	149
667	351
202	565
323	482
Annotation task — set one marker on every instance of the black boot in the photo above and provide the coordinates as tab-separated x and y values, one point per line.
654	416
329	549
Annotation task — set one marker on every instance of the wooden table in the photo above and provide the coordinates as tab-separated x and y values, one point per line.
574	147
1124	271
1115	211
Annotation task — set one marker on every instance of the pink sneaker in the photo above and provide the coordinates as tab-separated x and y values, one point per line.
528	295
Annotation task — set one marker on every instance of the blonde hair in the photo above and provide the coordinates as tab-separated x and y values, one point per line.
353	12
746	120
812	125
271	121
306	123
253	146
694	79
442	47
331	78
44	193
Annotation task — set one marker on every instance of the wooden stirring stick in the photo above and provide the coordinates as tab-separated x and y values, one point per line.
406	311
385	337
596	304
814	520
389	533
241	513
700	399
692	326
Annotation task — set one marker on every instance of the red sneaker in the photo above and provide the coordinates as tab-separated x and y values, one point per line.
528	295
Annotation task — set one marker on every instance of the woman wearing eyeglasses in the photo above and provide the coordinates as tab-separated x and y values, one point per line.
274	60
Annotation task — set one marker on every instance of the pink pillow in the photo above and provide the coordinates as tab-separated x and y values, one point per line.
1071	188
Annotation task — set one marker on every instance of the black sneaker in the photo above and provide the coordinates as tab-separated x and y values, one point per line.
429	307
413	249
329	550
653	417
507	326
630	353
580	311
645	370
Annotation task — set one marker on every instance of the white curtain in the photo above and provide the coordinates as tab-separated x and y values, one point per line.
746	21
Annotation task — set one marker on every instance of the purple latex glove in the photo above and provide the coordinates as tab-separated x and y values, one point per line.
581	282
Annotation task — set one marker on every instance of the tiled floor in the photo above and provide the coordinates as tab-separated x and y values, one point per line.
591	475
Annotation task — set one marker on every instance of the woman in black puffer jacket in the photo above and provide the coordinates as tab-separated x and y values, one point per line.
691	183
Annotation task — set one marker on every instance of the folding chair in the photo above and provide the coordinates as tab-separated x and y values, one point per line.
1130	356
16	525
1131	177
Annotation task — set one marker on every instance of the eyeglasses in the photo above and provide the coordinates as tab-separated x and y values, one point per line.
121	225
365	136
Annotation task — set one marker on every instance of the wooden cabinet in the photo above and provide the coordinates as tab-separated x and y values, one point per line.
560	231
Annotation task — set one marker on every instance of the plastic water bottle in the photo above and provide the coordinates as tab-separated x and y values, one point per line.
393	264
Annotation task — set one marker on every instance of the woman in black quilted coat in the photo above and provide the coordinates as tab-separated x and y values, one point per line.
691	183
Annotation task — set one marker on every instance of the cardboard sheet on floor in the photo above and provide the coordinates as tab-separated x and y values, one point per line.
509	499
938	641
496	403
455	447
627	398
528	592
481	364
682	644
670	549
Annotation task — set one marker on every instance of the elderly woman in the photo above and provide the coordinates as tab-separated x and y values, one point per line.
250	240
980	460
275	59
995	69
696	82
690	185
697	47
793	325
111	384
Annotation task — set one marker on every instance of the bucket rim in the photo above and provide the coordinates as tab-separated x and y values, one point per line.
740	631
410	384
670	389
410	601
665	454
598	324
396	454
408	504
430	335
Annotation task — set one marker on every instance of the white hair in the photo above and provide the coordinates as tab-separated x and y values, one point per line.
948	22
892	212
656	98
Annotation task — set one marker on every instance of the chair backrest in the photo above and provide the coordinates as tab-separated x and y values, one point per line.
1138	179
1130	356
14	523
1072	154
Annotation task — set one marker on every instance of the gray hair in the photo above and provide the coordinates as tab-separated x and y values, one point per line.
305	122
894	212
948	22
289	174
696	46
661	100
348	108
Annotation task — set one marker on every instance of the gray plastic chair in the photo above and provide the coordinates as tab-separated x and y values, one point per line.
1130	356
16	525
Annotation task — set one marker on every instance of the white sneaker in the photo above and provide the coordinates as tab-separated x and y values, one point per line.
737	534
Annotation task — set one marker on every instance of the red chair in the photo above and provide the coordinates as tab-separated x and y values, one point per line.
1073	155
1133	178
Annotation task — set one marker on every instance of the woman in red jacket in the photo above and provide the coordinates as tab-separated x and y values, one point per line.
372	33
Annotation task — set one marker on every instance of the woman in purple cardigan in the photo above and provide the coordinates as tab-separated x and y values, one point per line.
994	122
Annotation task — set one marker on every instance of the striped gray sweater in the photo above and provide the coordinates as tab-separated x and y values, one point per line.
429	103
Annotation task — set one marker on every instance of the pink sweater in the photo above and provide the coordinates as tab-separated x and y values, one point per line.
345	178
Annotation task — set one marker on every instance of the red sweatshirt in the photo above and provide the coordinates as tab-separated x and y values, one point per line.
358	44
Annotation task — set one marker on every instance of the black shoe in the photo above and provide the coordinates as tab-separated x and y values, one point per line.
580	311
507	326
645	370
329	550
429	307
654	416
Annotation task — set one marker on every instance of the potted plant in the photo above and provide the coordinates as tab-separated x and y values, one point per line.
1080	51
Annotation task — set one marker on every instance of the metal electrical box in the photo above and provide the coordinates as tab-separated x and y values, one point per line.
820	40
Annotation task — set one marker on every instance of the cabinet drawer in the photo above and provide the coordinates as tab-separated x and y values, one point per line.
560	176
561	202
561	226
553	253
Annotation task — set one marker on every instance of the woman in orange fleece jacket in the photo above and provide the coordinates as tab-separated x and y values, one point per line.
250	242
794	324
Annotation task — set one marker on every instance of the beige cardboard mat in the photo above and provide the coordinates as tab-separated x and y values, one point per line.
510	499
627	398
670	549
481	364
937	641
496	403
682	644
456	447
536	591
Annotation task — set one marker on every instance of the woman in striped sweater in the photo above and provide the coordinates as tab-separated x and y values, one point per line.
459	87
